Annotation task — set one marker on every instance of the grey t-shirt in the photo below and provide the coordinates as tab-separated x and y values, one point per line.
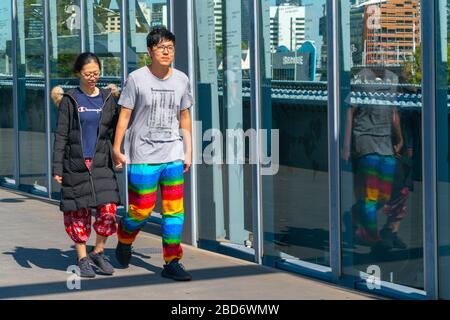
372	131
153	135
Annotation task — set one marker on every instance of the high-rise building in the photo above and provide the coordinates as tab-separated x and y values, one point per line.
314	10
219	7
391	31
287	27
218	23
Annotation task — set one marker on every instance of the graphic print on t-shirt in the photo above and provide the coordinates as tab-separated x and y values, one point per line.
162	109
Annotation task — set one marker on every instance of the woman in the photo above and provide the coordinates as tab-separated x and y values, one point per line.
82	164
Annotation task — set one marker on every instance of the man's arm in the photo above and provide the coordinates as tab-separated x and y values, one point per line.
348	134
397	131
122	125
186	131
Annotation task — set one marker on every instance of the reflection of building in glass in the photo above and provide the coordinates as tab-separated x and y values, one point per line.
35	14
357	34
218	21
323	32
158	13
5	43
107	16
219	7
391	31
146	10
113	21
287	27
313	13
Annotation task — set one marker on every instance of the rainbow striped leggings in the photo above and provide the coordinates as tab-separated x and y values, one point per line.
143	181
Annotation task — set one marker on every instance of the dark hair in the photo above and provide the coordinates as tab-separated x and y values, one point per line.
158	34
83	59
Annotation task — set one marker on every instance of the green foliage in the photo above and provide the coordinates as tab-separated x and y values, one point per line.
413	69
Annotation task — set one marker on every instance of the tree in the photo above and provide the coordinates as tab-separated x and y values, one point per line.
413	69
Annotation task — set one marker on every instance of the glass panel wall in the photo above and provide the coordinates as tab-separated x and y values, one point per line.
223	108
103	37
7	146
381	178
31	95
142	16
443	147
65	45
294	84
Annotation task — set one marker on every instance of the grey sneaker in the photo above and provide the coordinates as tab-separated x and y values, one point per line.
86	270
101	262
176	271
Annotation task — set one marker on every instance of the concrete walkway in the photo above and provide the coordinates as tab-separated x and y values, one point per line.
35	253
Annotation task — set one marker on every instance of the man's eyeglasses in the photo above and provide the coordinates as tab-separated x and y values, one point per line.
90	74
161	49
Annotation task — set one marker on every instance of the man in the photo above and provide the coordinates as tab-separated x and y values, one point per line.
155	104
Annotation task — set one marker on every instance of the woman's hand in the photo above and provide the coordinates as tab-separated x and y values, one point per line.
58	179
119	159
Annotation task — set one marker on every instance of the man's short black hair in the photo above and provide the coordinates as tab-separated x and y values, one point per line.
158	34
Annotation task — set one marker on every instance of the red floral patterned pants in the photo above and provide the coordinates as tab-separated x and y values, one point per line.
78	223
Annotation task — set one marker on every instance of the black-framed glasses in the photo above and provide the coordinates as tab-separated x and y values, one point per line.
162	49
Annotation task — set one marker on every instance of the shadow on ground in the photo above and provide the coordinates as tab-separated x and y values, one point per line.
59	260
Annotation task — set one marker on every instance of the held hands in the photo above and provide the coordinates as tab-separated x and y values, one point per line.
346	153
398	147
58	179
119	159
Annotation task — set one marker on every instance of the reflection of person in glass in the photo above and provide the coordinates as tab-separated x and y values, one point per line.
82	164
373	137
57	94
395	208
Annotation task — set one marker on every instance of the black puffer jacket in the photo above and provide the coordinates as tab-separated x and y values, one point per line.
82	188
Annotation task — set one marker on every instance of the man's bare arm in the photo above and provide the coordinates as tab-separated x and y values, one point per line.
122	125
186	126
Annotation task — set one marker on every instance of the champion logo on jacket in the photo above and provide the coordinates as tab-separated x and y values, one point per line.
84	109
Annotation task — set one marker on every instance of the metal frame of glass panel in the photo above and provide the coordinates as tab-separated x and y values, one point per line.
47	97
429	147
15	92
255	107
191	53
334	139
124	53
